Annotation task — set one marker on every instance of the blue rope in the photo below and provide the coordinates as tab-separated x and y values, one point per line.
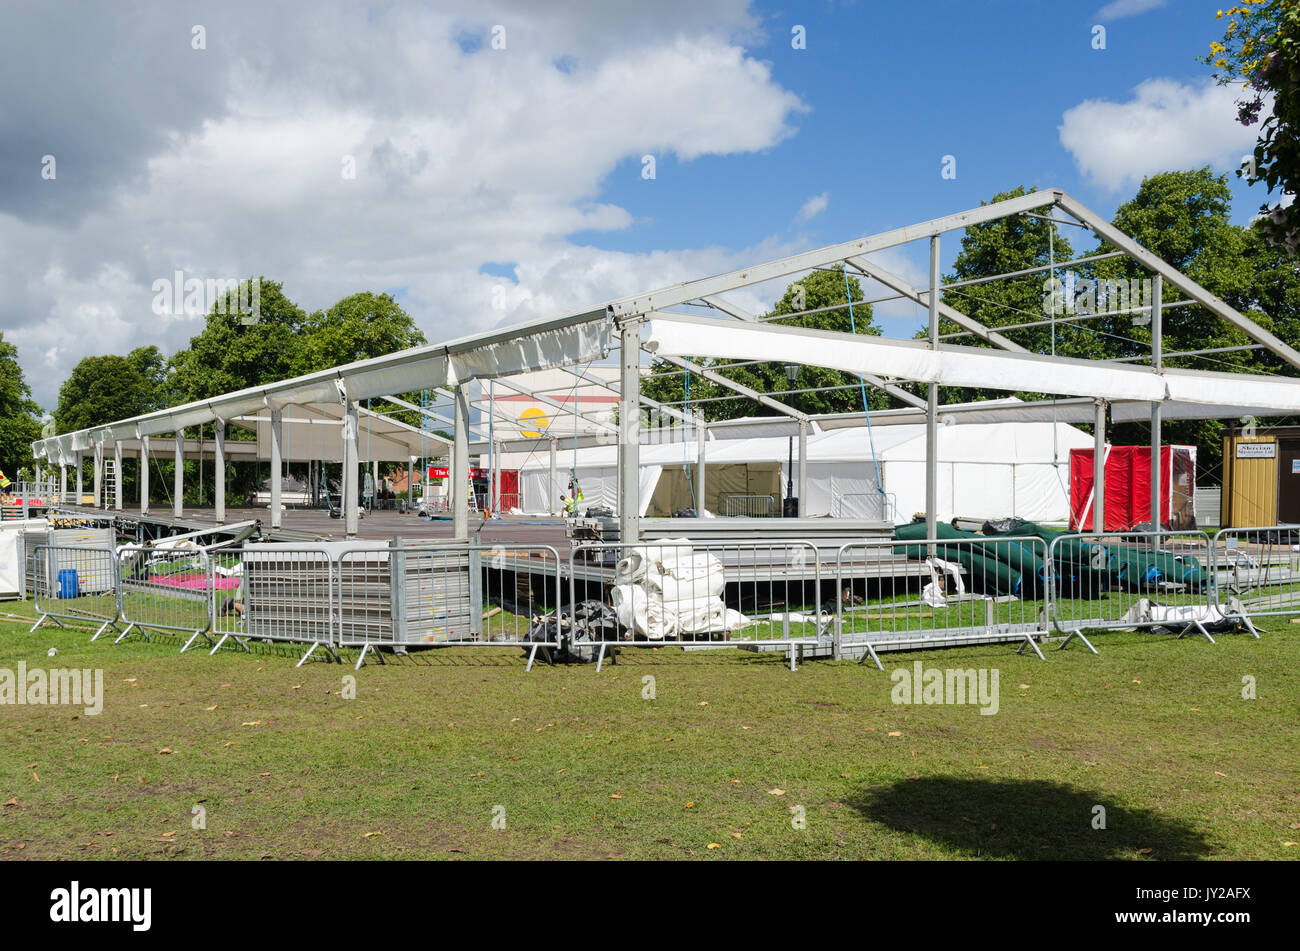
862	384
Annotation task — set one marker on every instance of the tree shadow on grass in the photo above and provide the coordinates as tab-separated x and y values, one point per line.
1026	820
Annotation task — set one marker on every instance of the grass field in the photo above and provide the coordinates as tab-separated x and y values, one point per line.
732	750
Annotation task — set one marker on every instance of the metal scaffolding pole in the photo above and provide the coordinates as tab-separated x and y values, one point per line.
552	499
117	475
1157	358
277	464
144	475
701	467
351	439
629	432
219	471
803	467
98	476
1099	469
932	405
460	487
178	477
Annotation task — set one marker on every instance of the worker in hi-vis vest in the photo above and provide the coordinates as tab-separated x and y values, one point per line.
575	496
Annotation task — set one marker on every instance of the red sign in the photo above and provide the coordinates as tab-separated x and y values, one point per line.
438	472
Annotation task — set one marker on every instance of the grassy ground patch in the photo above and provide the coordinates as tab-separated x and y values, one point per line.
730	752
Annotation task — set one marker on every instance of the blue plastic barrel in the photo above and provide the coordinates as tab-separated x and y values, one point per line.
68	584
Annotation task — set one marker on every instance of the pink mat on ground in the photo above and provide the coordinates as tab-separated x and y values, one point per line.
195	580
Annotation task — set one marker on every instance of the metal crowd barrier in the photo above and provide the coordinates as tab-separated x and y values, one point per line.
760	596
958	592
441	594
165	589
751	506
75	584
273	593
1126	580
1256	571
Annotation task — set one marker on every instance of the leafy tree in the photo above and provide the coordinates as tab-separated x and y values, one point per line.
104	389
19	415
231	354
1184	217
818	289
359	327
1260	50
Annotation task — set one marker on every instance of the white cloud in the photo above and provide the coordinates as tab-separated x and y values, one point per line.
1118	9
461	158
814	206
1166	125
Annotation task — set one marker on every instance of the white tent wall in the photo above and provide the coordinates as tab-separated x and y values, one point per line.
843	489
989	470
986	470
1043	492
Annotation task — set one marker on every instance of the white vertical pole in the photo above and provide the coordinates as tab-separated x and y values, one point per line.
98	474
629	431
144	475
277	464
351	439
178	477
701	467
460	488
552	500
63	483
932	405
803	467
219	471
1099	468
1157	359
117	475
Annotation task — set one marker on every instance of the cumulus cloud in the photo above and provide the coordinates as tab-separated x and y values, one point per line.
814	206
348	147
1167	124
1119	9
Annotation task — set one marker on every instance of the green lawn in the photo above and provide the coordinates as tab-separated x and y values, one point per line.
731	749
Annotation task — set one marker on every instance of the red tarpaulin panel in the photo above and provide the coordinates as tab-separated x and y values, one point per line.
1128	485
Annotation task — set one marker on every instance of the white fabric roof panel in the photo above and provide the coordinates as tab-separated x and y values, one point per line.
962	366
574	338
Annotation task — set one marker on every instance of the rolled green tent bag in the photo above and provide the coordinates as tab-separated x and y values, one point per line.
1075	559
983	574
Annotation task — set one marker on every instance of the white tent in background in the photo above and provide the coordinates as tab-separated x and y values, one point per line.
986	470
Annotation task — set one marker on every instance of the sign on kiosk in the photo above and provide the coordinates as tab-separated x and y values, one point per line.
1256	450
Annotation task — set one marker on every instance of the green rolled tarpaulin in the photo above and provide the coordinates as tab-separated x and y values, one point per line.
993	566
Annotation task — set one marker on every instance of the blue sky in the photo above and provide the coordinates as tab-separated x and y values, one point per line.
991	90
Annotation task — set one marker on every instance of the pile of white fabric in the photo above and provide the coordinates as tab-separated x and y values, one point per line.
667	589
1178	617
